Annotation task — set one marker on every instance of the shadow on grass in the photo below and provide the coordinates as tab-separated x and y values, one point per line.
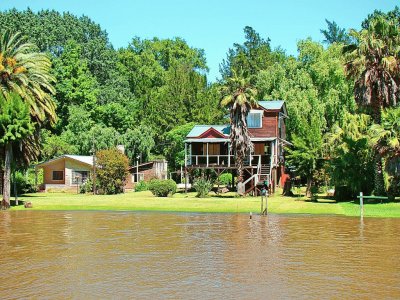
223	196
20	203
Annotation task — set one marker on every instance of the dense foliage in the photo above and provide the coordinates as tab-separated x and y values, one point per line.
89	96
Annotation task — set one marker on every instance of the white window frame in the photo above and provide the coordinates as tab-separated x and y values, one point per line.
260	113
81	181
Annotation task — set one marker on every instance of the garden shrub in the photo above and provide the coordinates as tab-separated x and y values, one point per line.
314	192
225	179
141	186
162	188
86	187
25	183
202	187
112	171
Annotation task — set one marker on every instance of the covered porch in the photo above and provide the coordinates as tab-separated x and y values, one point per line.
213	153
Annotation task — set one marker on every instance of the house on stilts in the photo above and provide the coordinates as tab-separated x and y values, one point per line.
208	147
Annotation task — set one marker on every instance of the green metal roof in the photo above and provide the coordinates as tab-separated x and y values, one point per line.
198	130
272	104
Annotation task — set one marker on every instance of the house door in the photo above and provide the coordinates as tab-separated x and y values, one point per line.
259	149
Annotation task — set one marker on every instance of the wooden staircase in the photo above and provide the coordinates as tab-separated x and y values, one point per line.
263	173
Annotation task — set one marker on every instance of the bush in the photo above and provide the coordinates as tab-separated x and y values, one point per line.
86	187
225	179
202	187
314	190
162	188
343	193
141	186
25	183
112	171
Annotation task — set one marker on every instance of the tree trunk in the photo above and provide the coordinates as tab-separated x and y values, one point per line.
15	188
308	189
379	187
5	204
379	183
287	188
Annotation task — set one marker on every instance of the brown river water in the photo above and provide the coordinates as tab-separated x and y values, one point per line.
118	255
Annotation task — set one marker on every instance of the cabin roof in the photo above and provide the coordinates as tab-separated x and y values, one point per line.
272	104
198	130
80	158
148	164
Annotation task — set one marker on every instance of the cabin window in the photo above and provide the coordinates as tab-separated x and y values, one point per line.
79	177
58	175
254	119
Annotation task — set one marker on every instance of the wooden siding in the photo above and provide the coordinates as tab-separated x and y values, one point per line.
269	125
156	169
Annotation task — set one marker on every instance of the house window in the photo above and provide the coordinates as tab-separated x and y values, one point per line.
137	177
79	177
58	175
254	119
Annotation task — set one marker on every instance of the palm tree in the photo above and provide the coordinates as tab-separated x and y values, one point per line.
239	96
374	63
26	73
385	138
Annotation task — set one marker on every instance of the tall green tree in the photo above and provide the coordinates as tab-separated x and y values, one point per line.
26	73
138	141
350	155
75	84
174	147
335	34
373	62
238	95
51	31
249	58
385	138
306	153
15	125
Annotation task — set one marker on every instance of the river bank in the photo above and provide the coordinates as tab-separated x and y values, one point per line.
181	202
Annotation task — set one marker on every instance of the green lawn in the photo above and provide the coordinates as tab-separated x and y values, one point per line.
180	202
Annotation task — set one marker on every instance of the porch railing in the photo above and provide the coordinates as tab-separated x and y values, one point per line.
222	160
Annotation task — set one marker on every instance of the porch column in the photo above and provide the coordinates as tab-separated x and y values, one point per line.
186	180
185	154
272	153
250	159
229	155
207	154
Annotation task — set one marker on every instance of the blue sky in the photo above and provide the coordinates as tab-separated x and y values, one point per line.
214	25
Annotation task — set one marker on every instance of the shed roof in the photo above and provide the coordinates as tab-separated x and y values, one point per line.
80	158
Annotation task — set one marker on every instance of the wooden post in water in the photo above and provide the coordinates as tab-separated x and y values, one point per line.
262	203
361	205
